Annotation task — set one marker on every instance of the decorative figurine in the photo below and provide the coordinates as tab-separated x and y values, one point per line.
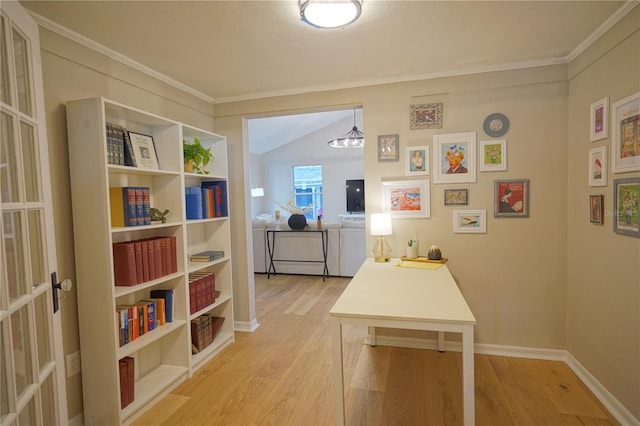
157	215
434	253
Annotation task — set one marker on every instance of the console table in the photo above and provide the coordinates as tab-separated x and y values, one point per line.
384	295
271	249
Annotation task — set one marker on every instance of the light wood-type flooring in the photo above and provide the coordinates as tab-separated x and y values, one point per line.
281	375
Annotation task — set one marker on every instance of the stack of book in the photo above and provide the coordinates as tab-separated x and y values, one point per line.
139	261
119	147
204	330
127	380
207	256
146	315
207	201
202	290
130	206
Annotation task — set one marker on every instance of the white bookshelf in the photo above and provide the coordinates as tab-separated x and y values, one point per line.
163	357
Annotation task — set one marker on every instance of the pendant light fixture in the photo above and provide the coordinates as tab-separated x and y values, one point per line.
353	139
329	13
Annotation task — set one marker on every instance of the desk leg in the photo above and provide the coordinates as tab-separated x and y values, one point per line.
372	338
271	248
468	385
325	249
338	377
440	341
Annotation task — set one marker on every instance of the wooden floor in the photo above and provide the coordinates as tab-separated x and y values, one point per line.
281	375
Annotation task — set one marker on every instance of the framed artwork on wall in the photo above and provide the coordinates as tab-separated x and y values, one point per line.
511	198
469	221
417	160
388	149
456	197
626	206
625	143
425	116
454	158
406	198
599	120
598	166
493	156
596	209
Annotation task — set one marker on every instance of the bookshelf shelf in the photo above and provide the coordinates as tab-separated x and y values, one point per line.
161	358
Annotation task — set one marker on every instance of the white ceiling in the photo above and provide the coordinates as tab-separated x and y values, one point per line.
233	50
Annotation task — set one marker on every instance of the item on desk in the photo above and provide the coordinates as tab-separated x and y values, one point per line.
320	221
412	248
434	253
278	215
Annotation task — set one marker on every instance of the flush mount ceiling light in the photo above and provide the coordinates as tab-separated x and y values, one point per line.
353	139
329	13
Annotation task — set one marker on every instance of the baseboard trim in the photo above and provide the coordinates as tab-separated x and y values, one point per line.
77	420
246	327
617	410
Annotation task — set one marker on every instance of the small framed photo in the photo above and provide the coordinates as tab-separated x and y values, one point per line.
417	160
456	197
469	221
493	156
454	158
144	151
425	116
598	166
596	210
407	198
511	198
626	206
599	120
388	149
625	143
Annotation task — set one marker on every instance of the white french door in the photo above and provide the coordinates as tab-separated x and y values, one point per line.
32	384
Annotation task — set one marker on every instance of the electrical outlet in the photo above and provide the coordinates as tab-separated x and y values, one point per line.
73	364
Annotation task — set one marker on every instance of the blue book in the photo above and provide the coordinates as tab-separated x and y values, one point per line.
167	295
193	202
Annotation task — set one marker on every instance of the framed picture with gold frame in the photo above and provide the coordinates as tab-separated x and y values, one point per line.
388	148
596	209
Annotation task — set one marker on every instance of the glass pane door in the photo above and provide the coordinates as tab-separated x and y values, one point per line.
31	379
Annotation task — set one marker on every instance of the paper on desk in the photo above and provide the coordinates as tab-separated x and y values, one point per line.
419	265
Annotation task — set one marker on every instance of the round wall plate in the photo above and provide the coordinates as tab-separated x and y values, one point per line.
496	125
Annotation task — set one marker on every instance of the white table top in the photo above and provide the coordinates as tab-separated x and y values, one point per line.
385	291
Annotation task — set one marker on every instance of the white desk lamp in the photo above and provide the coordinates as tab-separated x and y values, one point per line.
380	226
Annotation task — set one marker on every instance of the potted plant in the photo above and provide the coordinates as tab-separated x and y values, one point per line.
196	156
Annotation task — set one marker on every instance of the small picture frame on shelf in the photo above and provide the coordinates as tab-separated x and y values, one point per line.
469	221
456	197
144	151
599	120
598	166
388	149
417	158
626	206
596	209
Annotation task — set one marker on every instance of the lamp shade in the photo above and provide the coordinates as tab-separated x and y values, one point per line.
381	224
257	192
329	13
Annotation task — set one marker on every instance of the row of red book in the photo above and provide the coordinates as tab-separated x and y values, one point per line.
139	261
146	315
130	205
202	290
204	330
127	380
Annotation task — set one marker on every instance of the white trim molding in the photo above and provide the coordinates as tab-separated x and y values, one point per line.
246	327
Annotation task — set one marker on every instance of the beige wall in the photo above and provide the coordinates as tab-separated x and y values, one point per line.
603	268
548	281
72	72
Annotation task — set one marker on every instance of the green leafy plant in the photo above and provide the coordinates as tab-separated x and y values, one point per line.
200	156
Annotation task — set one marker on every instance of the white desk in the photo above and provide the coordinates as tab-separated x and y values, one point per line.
383	295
